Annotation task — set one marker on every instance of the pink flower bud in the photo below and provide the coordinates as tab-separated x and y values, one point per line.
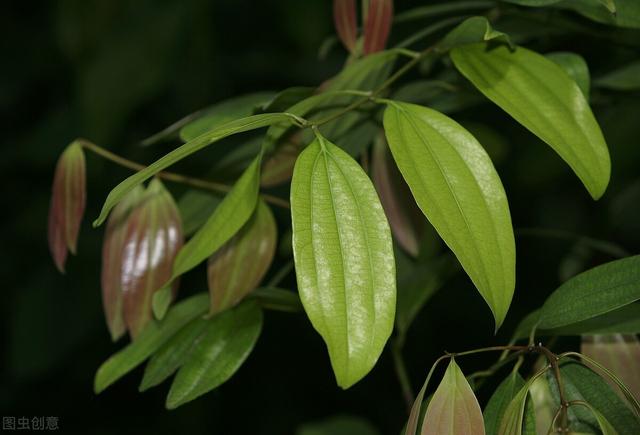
67	203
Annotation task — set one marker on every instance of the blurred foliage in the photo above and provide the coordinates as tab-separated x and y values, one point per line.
117	71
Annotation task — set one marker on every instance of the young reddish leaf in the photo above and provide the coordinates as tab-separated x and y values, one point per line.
619	353
278	167
344	18
405	218
111	273
377	25
454	409
152	238
67	203
238	267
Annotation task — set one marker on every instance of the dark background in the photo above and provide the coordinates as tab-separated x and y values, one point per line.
116	71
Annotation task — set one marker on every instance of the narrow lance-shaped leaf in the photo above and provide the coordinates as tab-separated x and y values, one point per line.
576	67
343	257
344	18
453	409
377	25
149	340
592	293
227	219
152	237
225	344
619	353
456	186
111	273
400	208
238	267
68	201
238	126
541	96
512	420
472	30
626	78
499	402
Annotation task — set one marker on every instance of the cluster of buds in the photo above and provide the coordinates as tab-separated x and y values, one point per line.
376	19
144	234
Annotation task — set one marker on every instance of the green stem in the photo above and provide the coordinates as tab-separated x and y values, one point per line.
401	374
172	176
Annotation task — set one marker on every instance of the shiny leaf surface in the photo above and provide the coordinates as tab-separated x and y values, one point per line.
456	186
343	257
541	96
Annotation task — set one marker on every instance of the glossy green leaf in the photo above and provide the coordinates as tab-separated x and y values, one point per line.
239	265
456	186
592	293
195	208
172	354
541	96
238	126
619	353
227	219
277	299
606	427
581	383
575	66
472	30
224	112
343	257
149	340
453	409
626	78
226	342
500	400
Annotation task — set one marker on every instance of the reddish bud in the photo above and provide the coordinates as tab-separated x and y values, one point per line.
67	203
237	268
112	261
144	239
344	18
405	218
377	25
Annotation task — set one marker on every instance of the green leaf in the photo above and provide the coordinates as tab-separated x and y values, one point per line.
625	320
502	396
627	12
541	96
455	185
626	78
512	421
227	219
453	409
238	126
592	293
343	257
172	354
225	344
224	112
428	11
160	302
338	425
606	427
149	340
533	3
238	267
287	98
472	30
581	383
277	299
195	208
575	66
